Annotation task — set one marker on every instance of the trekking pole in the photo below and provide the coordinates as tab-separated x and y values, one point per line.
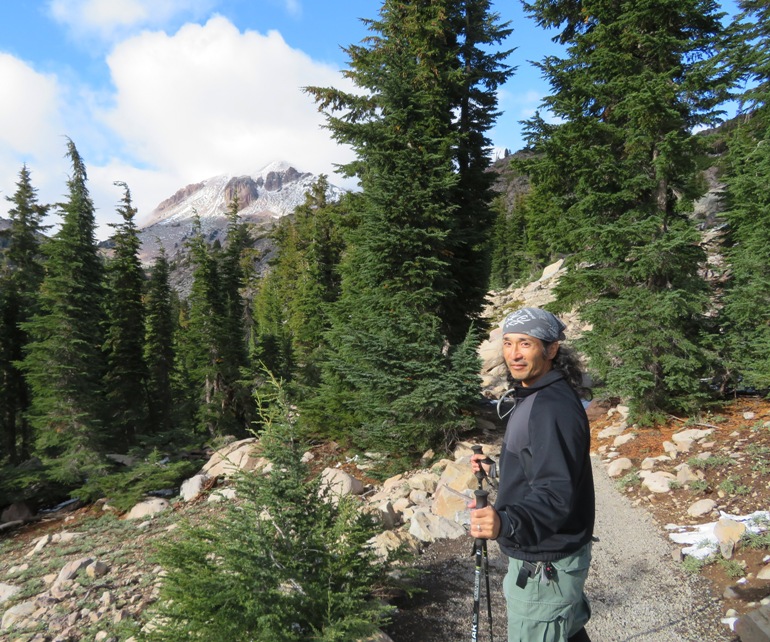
481	474
482	565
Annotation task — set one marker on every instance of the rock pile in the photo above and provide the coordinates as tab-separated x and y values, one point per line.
414	508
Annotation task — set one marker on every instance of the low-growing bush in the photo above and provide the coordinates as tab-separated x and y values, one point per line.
286	561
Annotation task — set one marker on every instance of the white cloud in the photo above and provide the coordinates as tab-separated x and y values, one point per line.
32	131
205	101
29	108
293	7
211	100
105	19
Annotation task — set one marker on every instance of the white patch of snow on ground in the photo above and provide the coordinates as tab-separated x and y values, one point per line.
701	537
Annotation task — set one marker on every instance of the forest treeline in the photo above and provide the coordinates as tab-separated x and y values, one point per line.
371	311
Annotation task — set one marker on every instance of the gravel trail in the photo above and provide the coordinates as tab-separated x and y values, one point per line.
637	592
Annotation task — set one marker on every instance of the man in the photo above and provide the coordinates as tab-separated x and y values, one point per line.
543	517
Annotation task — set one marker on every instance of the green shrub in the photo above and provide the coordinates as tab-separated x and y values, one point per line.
693	565
732	486
630	480
126	488
283	562
733	568
714	461
756	540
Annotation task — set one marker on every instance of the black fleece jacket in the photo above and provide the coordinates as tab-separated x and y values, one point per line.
546	495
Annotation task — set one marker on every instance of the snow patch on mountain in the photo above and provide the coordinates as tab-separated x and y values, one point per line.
268	194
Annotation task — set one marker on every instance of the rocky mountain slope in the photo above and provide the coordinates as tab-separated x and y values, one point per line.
88	574
266	195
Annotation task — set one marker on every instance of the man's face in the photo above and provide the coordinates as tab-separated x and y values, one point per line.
527	358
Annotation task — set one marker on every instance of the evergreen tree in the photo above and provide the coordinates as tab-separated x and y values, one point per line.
233	278
302	281
480	70
21	275
746	313
392	328
159	346
511	253
64	362
287	562
234	332
622	168
206	357
125	380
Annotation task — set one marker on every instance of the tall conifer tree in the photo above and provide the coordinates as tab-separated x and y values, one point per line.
622	168
159	346
126	376
21	274
203	346
391	373
304	279
234	332
746	313
64	361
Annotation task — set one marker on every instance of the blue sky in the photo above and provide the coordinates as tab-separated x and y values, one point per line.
163	93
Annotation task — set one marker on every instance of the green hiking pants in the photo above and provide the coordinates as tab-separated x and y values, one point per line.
552	611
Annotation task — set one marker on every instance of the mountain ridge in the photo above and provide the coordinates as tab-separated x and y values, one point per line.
263	197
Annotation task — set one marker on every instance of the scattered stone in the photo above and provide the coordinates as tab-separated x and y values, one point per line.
16	512
340	483
387	515
7	591
623	439
239	455
648	463
192	487
701	507
40	544
97	569
16	614
612	431
730	593
685	474
424	481
71	569
657	482
749	415
449	503
419	496
221	495
427	527
389	541
755	625
148	508
728	533
764	573
671	449
619	466
64	537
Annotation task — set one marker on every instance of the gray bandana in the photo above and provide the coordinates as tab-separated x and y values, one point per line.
535	323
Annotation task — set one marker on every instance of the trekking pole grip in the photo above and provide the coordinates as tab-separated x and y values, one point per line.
481	498
480	474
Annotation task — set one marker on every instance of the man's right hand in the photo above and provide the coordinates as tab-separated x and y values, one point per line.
478	464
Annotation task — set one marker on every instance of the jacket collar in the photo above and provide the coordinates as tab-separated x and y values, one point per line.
552	376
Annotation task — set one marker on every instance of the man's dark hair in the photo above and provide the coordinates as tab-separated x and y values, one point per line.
567	361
